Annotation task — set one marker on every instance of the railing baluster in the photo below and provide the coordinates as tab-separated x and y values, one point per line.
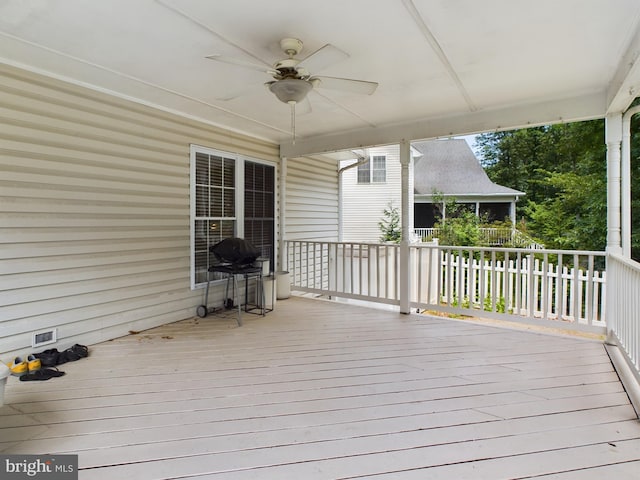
577	291
589	293
545	286
517	283
396	270
482	292
494	280
506	287
558	290
460	271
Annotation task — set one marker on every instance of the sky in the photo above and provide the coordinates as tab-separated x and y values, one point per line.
471	139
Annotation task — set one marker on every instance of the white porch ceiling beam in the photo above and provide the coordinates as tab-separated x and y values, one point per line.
544	113
625	84
440	53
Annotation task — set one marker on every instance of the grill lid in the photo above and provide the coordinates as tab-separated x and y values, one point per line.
237	251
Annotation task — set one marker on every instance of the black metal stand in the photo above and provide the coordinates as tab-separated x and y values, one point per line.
233	272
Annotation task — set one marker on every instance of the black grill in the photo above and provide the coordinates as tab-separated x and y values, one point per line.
235	256
235	252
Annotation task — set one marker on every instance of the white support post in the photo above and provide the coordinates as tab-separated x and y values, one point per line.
613	139
625	184
283	210
613	135
405	263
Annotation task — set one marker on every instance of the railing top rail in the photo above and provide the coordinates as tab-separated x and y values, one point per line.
471	248
513	249
626	261
346	243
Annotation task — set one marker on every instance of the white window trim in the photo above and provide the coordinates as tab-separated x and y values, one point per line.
239	198
370	170
372	161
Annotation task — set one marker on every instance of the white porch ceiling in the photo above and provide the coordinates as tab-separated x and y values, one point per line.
444	67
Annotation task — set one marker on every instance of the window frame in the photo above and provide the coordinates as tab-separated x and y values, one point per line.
366	172
375	170
239	199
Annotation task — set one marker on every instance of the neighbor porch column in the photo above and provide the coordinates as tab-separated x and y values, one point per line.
405	262
613	138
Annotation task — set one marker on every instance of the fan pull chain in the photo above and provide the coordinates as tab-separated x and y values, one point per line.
293	122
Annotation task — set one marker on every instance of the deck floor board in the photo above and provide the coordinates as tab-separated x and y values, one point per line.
328	390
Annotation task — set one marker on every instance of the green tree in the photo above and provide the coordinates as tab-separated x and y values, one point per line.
575	218
562	170
461	229
390	224
458	225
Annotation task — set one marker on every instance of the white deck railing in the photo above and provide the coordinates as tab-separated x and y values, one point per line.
560	288
553	287
342	269
623	299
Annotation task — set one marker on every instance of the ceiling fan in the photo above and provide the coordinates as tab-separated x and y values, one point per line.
292	80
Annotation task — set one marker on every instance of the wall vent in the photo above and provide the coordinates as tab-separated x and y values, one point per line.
44	337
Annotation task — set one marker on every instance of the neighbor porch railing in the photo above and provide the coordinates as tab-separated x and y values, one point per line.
553	287
494	237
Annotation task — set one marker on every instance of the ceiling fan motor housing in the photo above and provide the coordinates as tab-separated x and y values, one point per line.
291	46
287	68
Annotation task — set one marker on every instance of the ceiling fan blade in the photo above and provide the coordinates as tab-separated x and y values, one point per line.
240	91
322	58
303	107
346	85
243	63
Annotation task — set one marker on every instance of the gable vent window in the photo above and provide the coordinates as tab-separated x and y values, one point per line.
374	171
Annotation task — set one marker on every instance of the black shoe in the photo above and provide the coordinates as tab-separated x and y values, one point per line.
73	353
41	375
48	358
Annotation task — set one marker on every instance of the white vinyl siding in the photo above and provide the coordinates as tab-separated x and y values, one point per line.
94	211
312	199
363	203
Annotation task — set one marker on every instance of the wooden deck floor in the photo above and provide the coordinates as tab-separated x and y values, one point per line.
321	390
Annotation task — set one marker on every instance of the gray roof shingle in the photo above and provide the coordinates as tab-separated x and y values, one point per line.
451	168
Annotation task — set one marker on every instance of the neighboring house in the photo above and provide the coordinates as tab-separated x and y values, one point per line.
367	188
448	167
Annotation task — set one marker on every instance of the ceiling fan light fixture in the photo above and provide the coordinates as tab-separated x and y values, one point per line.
291	89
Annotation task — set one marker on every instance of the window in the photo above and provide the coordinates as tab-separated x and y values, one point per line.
379	171
374	171
259	208
223	206
364	172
